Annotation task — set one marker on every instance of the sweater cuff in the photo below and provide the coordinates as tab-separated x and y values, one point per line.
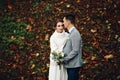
65	61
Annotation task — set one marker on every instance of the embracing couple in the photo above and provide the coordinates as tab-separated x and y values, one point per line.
71	45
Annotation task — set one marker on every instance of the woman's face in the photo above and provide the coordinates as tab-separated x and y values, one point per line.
59	27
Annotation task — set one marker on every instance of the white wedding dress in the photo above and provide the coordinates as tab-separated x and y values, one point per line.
57	41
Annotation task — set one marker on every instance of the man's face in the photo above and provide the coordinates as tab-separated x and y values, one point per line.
66	22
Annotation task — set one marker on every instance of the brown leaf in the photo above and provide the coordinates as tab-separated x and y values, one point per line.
47	36
109	56
10	6
29	28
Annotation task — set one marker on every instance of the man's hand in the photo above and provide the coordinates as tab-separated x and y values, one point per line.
59	63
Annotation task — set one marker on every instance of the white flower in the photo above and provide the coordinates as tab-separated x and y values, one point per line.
57	56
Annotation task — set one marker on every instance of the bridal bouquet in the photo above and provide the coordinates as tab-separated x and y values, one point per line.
58	56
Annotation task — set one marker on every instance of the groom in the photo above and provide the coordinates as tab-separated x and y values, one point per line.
72	48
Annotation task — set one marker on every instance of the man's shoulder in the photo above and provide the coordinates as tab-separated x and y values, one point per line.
75	32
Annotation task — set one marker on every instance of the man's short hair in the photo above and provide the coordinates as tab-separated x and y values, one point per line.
70	17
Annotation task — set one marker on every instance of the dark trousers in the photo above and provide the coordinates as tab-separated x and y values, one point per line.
73	73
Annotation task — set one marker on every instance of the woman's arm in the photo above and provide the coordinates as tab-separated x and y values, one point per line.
53	45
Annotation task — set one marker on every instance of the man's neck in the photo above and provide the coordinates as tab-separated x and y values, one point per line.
70	26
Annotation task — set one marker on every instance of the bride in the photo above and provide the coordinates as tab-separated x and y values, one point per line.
57	42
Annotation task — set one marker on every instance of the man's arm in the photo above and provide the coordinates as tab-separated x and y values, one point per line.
76	44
